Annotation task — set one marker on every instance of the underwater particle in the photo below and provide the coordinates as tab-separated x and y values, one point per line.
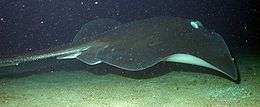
42	22
96	2
2	19
29	49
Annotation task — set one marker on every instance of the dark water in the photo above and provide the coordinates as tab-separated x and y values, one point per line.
38	24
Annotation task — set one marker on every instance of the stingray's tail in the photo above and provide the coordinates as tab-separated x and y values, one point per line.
64	52
14	61
7	62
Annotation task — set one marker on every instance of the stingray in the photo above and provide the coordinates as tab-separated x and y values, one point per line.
140	44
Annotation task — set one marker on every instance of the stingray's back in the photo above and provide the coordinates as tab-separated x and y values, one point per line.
141	44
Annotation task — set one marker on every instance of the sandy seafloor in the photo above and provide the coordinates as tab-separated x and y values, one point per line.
52	83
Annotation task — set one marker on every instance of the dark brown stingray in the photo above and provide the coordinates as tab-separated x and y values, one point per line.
141	44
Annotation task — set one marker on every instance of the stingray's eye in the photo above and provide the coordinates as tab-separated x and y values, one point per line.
196	24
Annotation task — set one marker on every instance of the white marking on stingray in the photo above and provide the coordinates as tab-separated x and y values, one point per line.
70	56
195	24
72	53
96	62
189	59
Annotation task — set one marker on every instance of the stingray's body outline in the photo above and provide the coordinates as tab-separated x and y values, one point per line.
141	44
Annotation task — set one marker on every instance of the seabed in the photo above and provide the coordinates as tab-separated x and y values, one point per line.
52	83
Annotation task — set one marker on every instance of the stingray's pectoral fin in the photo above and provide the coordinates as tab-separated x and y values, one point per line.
190	59
90	56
